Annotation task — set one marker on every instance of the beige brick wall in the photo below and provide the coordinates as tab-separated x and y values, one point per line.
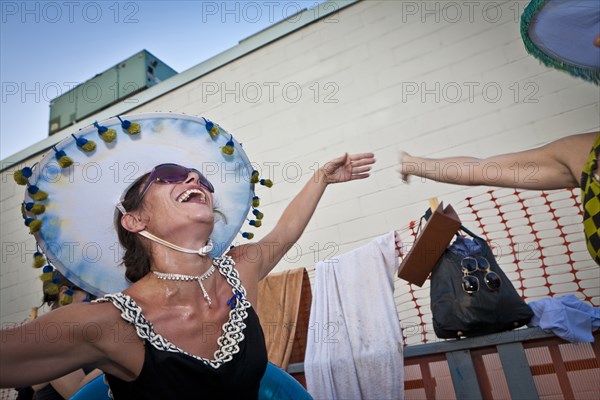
378	76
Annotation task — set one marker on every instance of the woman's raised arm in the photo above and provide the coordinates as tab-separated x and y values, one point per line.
298	213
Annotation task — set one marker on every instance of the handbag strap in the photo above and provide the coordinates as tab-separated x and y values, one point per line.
428	214
425	217
468	232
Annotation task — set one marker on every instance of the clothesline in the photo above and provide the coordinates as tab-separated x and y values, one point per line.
536	237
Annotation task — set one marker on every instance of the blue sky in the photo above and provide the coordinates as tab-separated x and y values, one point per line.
45	46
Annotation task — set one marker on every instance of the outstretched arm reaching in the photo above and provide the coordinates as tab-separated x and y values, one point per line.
556	165
297	214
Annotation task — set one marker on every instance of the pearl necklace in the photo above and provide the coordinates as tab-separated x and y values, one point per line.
181	277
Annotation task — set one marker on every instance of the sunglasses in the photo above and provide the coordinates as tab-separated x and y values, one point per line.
470	283
169	174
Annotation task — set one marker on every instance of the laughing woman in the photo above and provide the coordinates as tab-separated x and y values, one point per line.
184	323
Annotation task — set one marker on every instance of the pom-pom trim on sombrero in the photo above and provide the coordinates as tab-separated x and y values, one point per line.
108	135
26	219
61	157
211	128
228	149
528	16
51	287
36	193
22	176
34	208
257	214
67	297
33	224
38	260
84	144
266	182
85	178
255	223
47	273
133	128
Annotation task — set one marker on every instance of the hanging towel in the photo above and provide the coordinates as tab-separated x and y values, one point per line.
277	308
354	345
567	317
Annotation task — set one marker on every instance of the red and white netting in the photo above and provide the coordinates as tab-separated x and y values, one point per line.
8	394
537	238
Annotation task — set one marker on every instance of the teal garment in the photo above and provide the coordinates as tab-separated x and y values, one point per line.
560	34
94	390
276	384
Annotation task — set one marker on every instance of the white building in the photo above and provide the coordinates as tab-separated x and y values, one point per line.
430	78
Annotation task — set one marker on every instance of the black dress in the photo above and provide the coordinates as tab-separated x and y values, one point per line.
171	373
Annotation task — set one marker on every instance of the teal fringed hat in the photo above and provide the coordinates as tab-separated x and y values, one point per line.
561	34
71	193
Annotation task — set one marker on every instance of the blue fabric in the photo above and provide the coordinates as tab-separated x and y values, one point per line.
565	30
276	384
567	317
96	389
465	247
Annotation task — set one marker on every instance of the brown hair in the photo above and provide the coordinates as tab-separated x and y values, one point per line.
137	256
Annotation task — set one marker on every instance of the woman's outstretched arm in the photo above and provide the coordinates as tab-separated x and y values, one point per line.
298	213
556	165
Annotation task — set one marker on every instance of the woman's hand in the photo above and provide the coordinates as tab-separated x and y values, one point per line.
404	170
348	167
296	217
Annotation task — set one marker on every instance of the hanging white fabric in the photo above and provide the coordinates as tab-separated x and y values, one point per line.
354	346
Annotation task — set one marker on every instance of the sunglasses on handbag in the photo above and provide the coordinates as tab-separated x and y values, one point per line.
470	283
169	174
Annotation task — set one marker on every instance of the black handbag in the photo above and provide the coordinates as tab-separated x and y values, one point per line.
470	298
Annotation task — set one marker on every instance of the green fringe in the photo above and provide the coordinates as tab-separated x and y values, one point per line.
588	74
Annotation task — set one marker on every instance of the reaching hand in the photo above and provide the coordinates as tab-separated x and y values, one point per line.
404	173
348	167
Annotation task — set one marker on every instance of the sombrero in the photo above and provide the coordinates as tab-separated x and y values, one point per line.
561	33
72	192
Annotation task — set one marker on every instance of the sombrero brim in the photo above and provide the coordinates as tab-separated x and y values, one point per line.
561	33
77	233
